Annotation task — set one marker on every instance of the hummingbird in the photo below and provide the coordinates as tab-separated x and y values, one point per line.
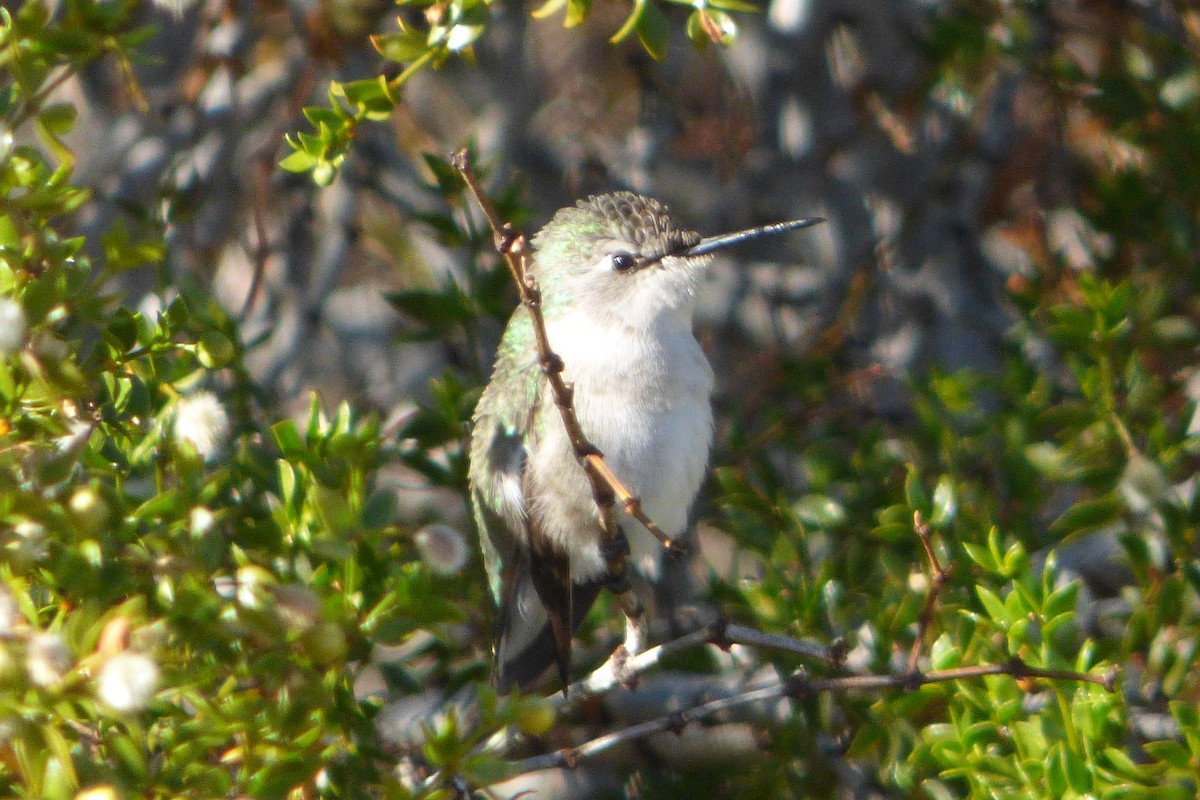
618	279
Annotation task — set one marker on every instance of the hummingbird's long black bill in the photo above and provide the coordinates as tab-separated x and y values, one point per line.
711	243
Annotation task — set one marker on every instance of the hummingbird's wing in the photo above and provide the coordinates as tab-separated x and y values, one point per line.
503	423
529	577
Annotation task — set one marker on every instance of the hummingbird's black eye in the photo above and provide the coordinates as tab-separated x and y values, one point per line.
623	262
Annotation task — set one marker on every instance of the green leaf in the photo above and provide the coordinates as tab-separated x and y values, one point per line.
549	8
820	511
1120	761
436	309
448	179
371	96
1185	714
728	5
944	654
131	757
287	481
1088	515
1061	601
58	118
1016	561
55	468
981	556
323	173
160	505
337	515
287	436
631	22
914	492
694	29
577	12
654	32
485	770
61	749
404	47
945	504
380	509
1056	773
892	532
215	350
1172	753
298	161
993	605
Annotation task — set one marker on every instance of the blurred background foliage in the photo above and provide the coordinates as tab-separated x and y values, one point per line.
236	560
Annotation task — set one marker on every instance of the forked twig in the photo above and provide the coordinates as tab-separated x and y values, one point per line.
939	577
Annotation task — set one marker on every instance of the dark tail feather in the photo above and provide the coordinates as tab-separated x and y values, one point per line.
527	644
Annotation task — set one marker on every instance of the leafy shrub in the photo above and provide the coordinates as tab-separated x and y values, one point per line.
192	587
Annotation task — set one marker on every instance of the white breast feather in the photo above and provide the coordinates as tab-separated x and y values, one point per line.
642	397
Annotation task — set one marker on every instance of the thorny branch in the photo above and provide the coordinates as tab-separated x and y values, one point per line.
606	488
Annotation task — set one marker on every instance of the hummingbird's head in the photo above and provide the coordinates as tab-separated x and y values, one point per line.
622	254
617	253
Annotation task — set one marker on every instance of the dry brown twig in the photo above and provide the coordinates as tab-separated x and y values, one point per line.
940	576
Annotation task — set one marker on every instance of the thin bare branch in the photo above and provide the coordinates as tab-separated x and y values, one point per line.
729	633
939	576
621	668
571	756
799	686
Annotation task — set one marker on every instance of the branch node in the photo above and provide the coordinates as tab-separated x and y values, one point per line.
626	677
615	548
633	505
507	239
720	634
839	649
675	548
798	687
913	680
533	294
552	364
604	495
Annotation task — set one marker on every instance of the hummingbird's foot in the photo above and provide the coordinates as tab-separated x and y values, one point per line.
625	676
615	552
